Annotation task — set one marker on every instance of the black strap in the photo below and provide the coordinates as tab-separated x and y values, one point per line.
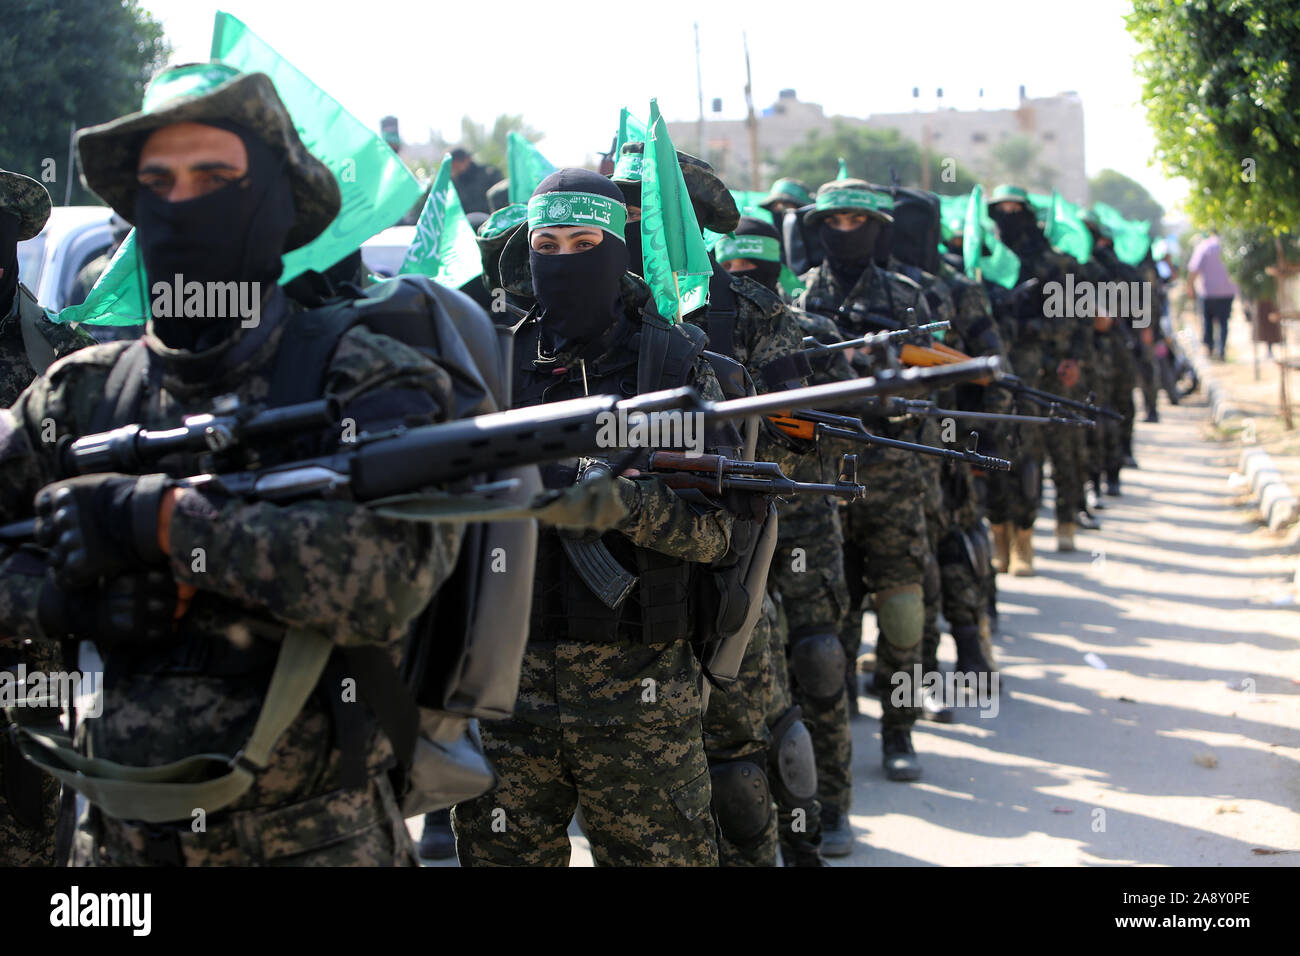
786	371
720	320
382	688
351	728
306	347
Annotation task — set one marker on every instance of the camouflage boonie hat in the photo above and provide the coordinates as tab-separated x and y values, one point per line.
849	195
713	203
498	197
494	234
196	93
25	198
1007	193
789	191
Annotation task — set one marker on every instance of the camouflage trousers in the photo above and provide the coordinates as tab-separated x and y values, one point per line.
951	582
887	549
1068	454
808	571
1014	496
736	729
347	827
1126	379
29	798
615	727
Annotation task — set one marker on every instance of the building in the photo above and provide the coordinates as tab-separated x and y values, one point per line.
1043	135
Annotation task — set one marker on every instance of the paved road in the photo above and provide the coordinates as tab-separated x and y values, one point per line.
1183	750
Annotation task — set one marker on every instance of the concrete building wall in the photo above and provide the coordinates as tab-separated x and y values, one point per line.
1054	124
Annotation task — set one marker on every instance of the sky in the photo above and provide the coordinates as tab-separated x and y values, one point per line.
568	67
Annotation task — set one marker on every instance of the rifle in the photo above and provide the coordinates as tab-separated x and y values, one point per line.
938	354
909	406
714	474
395	463
808	424
810	344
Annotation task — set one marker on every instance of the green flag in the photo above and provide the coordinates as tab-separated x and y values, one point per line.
1066	231
630	130
1001	265
677	265
844	170
1132	237
376	186
444	247
118	295
525	166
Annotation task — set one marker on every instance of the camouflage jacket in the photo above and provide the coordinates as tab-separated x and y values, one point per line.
17	366
763	336
258	567
975	332
937	294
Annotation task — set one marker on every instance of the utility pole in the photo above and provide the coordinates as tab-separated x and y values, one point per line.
752	121
699	87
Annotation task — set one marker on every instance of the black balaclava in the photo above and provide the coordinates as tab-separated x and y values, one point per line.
8	260
764	272
233	234
849	252
578	294
1014	227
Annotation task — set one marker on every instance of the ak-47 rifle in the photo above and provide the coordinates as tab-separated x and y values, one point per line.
937	354
383	467
809	424
810	344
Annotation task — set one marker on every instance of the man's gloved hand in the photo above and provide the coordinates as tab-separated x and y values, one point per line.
136	608
100	525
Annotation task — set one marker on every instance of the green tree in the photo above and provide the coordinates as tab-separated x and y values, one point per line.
1015	160
69	63
1248	252
1128	196
489	146
871	154
1223	99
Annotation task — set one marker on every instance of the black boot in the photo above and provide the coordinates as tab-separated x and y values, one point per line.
898	756
437	842
1112	483
837	835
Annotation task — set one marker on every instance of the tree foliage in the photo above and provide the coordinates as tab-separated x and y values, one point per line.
1249	252
69	63
871	154
1223	99
488	146
1127	195
1015	160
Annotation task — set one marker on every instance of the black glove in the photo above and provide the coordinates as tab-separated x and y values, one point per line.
135	608
100	525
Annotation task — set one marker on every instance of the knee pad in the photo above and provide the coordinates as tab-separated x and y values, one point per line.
817	662
900	614
742	800
792	756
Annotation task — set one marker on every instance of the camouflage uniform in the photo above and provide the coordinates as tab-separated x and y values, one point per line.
885	536
28	799
603	720
332	566
1039	345
736	725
